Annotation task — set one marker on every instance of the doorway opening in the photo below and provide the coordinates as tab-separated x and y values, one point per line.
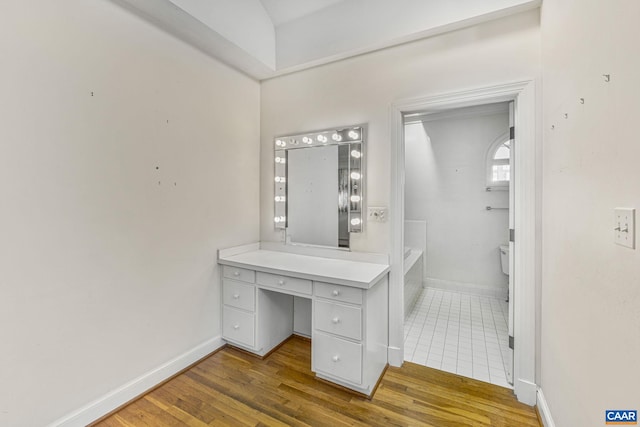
457	209
524	237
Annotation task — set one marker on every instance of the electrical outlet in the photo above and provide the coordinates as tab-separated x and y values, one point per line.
625	227
379	214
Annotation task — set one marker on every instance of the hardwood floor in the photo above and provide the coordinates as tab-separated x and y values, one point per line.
234	388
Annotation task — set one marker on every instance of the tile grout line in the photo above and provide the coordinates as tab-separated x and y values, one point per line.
424	323
458	341
484	336
504	366
489	307
439	293
446	331
417	308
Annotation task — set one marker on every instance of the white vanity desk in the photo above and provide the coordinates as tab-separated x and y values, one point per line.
349	336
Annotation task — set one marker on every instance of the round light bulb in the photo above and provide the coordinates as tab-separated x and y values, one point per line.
356	154
355	221
355	199
336	137
307	140
355	175
276	219
353	134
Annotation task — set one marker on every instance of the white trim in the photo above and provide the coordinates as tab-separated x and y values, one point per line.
526	391
134	388
459	113
468	288
526	273
545	412
396	356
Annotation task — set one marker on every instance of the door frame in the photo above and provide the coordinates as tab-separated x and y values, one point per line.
527	244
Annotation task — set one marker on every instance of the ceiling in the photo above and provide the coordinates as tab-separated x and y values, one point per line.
267	38
283	11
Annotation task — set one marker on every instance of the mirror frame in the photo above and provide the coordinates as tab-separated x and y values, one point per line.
354	137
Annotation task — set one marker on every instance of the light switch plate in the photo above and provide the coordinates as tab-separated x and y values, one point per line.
625	227
378	214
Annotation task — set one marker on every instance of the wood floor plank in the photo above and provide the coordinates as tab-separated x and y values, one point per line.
232	387
176	410
223	406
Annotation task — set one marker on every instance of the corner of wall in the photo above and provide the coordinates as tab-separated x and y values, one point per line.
137	387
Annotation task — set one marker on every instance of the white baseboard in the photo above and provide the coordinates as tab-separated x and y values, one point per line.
543	408
467	288
125	393
525	391
396	356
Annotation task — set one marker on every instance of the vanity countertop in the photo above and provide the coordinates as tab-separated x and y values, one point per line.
357	274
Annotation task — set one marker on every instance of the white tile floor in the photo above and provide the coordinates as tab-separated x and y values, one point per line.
459	333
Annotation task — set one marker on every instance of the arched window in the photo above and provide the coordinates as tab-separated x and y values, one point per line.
498	166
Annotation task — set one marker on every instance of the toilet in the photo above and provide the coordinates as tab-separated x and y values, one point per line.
504	258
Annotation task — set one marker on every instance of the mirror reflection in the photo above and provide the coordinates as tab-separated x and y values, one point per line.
318	186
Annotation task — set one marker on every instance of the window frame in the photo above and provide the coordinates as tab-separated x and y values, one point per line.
492	161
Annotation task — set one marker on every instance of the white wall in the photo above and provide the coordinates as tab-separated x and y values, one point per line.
591	287
361	90
445	181
107	264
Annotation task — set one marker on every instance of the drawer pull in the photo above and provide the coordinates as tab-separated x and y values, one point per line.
236	296
281	282
236	326
236	273
336	358
335	293
336	320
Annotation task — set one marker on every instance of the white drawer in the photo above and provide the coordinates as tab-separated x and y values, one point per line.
285	283
337	357
239	295
338	319
238	326
338	292
241	274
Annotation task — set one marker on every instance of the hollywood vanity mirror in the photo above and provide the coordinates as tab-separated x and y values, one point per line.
319	183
